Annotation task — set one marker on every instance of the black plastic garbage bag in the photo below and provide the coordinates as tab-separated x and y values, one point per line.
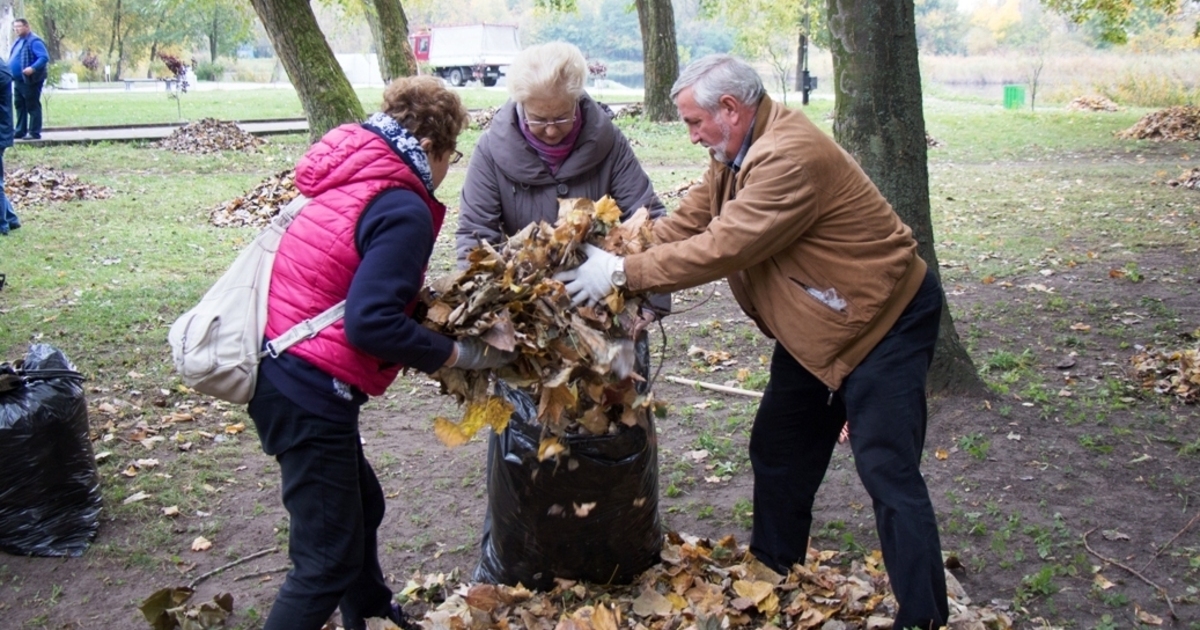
541	523
49	488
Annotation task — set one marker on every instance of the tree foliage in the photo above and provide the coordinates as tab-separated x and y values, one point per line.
1113	18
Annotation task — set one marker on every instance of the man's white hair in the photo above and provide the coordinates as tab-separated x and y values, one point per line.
548	70
712	76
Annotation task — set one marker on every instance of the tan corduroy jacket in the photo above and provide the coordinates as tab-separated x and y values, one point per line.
811	249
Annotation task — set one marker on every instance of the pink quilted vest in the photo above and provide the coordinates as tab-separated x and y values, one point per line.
317	257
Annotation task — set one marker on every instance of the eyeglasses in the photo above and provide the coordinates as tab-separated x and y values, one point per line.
542	124
458	155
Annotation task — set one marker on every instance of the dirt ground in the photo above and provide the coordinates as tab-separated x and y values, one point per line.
1026	505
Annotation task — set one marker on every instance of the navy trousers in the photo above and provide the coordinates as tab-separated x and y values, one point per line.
27	100
792	442
335	505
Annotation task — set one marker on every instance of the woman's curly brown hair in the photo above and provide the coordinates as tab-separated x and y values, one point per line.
427	109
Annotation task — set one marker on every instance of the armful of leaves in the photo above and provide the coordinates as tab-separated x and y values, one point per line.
508	297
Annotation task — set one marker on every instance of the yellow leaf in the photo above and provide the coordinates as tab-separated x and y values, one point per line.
449	433
942	454
234	429
201	544
550	448
756	591
1101	582
607	211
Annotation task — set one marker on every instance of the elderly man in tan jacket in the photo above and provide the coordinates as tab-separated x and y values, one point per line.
820	260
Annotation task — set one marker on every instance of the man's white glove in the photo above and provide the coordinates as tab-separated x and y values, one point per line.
594	279
475	354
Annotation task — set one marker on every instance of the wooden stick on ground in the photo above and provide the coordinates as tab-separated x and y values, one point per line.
230	565
1173	539
716	388
249	576
1161	591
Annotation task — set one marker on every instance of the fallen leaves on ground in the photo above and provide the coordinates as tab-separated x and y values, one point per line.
932	142
1189	179
680	190
482	118
1170	372
209	135
699	584
567	357
632	110
1092	104
167	609
257	207
40	185
1181	122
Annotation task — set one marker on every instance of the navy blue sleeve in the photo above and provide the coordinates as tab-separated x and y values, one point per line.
395	239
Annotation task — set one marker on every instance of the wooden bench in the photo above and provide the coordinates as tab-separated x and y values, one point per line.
169	83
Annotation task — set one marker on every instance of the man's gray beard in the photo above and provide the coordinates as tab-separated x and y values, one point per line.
718	153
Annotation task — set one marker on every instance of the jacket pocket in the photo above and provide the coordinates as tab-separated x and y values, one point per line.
830	298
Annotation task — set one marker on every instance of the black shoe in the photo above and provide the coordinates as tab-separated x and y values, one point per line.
13	226
35	136
20	137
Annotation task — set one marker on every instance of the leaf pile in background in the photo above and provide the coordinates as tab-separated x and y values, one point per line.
1189	179
257	207
510	299
699	584
209	135
40	185
1181	122
482	118
632	110
680	191
1092	104
932	142
1173	373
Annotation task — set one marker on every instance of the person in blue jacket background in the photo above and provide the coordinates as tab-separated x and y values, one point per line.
27	61
8	218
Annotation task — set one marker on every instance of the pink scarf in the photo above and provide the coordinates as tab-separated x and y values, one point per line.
552	154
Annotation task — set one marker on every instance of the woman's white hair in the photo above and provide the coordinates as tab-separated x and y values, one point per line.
546	71
712	76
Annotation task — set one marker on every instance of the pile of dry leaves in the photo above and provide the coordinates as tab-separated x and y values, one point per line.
1181	122
699	584
1092	104
566	356
932	142
209	135
40	185
1189	179
632	110
1173	373
482	118
257	207
679	191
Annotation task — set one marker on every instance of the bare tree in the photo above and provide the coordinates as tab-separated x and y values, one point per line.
879	119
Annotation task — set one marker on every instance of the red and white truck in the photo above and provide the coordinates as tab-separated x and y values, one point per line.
461	53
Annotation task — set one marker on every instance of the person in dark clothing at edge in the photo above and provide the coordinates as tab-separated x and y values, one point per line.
365	236
818	258
8	218
27	61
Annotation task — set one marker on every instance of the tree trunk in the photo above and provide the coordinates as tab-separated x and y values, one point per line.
880	121
52	36
214	32
324	91
395	54
661	58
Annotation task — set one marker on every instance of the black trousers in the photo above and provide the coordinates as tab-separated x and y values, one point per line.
335	505
27	101
792	443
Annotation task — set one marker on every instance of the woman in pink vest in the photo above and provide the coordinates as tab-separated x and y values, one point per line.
365	237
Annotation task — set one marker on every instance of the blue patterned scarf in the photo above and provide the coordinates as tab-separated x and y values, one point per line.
406	144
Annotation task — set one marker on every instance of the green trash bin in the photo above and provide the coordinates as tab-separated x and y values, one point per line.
1014	96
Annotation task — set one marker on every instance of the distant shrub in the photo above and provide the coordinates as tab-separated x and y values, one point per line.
1140	89
209	70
